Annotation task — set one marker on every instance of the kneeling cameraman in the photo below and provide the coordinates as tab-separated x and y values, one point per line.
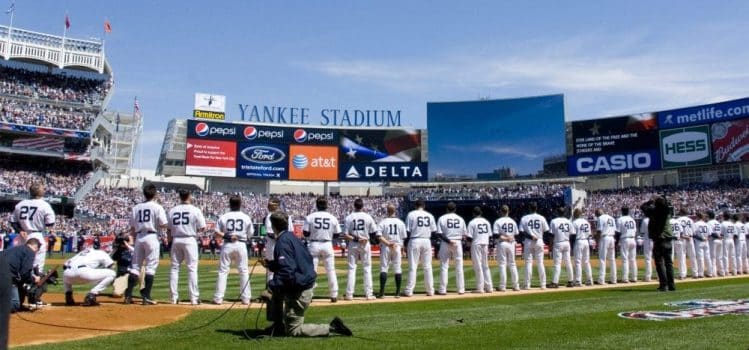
293	279
20	261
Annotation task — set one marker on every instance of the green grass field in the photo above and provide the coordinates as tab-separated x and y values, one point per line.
583	319
207	275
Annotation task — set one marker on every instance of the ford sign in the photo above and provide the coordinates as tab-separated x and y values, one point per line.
263	154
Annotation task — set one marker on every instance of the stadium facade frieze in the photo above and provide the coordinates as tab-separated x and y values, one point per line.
325	116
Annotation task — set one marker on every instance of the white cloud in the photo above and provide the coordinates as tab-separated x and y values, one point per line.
498	150
599	73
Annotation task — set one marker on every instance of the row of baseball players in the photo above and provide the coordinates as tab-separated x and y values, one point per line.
708	245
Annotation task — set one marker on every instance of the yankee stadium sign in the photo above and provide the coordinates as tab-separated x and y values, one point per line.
325	117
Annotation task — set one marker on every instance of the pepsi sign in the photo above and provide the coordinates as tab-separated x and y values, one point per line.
211	130
252	133
315	136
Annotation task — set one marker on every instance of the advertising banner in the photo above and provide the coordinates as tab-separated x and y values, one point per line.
210	158
313	163
730	141
620	162
308	154
381	155
198	129
618	134
704	114
262	161
209	106
685	147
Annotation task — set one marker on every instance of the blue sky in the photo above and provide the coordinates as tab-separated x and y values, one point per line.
608	58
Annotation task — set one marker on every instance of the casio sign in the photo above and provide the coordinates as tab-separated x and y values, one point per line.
685	147
614	162
263	154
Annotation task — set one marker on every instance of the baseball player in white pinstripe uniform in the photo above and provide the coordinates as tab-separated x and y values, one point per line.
687	251
702	247
583	234
729	247
451	229
479	231
534	226
234	227
561	228
360	227
33	216
742	263
146	220
647	249
716	245
186	221
606	227
627	228
505	231
420	225
319	228
391	235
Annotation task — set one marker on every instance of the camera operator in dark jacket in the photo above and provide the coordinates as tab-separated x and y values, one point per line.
291	286
659	213
20	262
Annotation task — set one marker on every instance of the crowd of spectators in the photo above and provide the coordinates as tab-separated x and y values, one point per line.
484	192
115	203
58	87
60	179
732	196
45	114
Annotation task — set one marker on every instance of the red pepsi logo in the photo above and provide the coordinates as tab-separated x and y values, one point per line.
250	133
300	135
202	129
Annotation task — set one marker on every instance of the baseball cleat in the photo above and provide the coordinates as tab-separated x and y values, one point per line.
333	300
69	301
370	297
348	298
149	301
195	302
340	328
570	284
90	300
441	293
217	301
553	285
128	300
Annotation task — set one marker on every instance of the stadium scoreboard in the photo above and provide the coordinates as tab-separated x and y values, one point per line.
693	136
271	152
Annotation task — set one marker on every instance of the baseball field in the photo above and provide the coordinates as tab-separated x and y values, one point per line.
576	318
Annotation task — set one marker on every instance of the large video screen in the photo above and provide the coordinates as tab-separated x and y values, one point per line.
472	137
610	145
304	153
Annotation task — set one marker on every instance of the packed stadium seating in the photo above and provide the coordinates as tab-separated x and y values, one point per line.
61	179
56	100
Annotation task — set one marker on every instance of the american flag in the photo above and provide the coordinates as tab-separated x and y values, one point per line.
136	108
41	143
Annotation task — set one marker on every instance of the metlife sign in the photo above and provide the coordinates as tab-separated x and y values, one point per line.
704	114
685	147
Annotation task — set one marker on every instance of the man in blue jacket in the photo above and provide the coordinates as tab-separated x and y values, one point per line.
291	286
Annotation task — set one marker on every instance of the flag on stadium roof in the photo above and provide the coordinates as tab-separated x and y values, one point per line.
136	108
11	9
67	22
107	26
